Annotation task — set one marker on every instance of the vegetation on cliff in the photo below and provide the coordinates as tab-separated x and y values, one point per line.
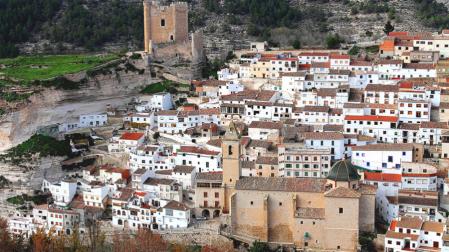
44	145
21	199
164	86
432	13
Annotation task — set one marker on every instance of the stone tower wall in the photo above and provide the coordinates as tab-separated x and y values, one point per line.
163	24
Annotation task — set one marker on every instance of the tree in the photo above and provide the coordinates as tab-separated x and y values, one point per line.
388	27
333	41
259	246
354	50
296	44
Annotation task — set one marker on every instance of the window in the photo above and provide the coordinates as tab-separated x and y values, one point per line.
340	210
230	150
251	203
162	22
216	195
205	194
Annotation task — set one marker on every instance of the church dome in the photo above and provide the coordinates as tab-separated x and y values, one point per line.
343	170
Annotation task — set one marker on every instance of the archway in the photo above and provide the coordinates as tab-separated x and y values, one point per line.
206	213
216	213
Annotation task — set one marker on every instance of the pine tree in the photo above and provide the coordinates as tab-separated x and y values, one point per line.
388	27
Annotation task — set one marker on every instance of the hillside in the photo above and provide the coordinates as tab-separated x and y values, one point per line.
67	26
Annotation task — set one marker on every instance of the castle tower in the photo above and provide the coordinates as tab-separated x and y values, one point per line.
231	152
165	24
147	24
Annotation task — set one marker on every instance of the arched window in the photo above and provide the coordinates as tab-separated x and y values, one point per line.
230	150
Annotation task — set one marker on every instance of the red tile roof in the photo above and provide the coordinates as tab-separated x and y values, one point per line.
371	118
196	150
131	136
380	176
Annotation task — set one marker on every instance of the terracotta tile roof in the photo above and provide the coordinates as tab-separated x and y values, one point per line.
320	64
323	92
156	181
369	105
342	192
367	189
214	142
323	135
265	125
419	66
333	127
384	177
209	176
260	95
259	144
197	150
384	147
390	62
339	56
247	164
433	226
125	194
409	126
382	88
396	235
267	160
364	138
434	125
175	205
335	111
410	222
371	118
417	200
310	213
183	169
283	184
323	109
167	113
164	172
133	136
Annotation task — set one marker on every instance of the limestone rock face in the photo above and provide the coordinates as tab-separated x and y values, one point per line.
52	106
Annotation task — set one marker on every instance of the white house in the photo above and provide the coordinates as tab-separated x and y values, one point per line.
93	120
173	215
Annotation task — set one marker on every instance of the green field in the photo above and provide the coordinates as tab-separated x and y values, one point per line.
29	68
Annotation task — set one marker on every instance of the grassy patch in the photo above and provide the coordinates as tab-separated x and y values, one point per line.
165	86
40	67
372	49
21	199
44	145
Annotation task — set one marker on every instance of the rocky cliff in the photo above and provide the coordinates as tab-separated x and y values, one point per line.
51	106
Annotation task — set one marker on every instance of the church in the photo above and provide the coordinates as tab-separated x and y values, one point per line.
314	213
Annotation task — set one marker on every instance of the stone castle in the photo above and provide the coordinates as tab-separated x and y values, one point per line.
163	24
166	34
